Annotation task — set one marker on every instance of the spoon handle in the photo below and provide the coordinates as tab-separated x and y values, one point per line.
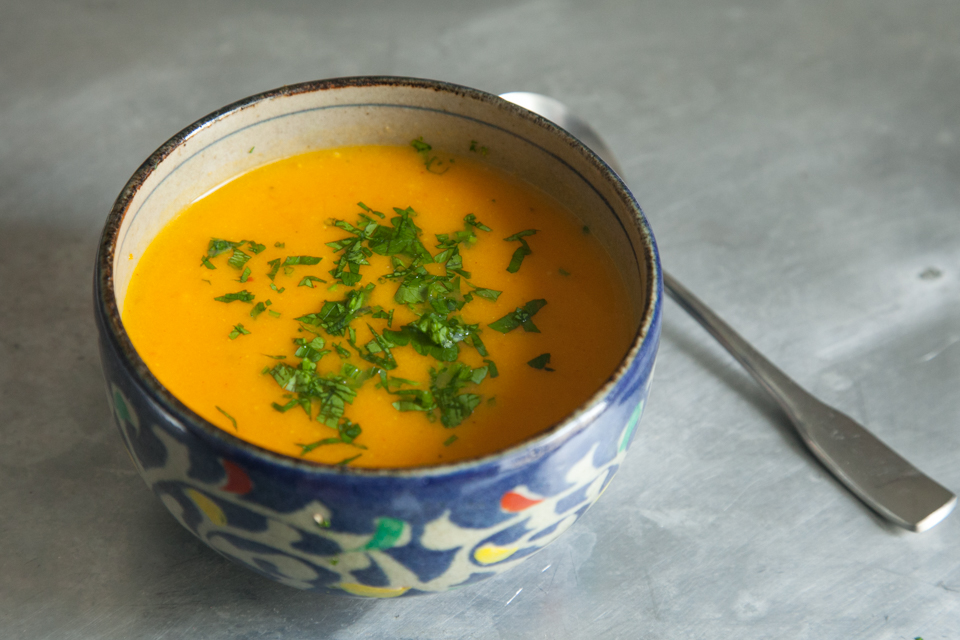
886	482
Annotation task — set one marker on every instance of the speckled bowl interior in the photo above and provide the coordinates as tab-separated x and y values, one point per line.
373	532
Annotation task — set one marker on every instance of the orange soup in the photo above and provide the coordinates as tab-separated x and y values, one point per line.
379	307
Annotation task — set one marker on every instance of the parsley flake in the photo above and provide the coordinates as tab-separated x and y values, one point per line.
476	148
429	161
242	296
308	281
255	247
218	246
232	419
401	238
335	316
420	145
292	260
332	391
522	317
541	362
522	251
347	432
471	220
489	294
444	395
238	330
238	259
274	268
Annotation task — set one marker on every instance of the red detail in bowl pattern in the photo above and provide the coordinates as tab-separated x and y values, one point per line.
237	479
514	502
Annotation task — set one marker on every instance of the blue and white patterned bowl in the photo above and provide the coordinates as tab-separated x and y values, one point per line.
369	532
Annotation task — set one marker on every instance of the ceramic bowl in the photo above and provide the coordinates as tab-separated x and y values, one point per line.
392	532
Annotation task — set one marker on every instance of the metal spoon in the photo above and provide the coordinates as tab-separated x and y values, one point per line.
874	472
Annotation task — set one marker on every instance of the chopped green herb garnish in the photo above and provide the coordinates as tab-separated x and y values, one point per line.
563	271
274	287
275	314
353	253
446	383
420	145
387	381
522	251
246	274
347	432
308	281
344	463
371	352
436	335
242	296
335	317
541	362
401	238
489	294
230	417
205	262
292	260
274	268
313	350
275	357
218	246
385	315
251	149
521	234
369	210
238	259
471	220
439	293
238	330
522	317
342	351
207	281
437	330
449	441
280	245
474	146
332	391
444	394
430	161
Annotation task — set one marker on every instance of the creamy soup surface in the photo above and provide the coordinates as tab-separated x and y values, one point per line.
379	307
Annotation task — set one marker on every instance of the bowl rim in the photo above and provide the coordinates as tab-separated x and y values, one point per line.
108	316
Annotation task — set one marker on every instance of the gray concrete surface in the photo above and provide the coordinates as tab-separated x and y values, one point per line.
800	164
